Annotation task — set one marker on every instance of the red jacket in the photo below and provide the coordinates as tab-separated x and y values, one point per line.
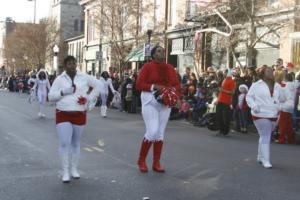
157	73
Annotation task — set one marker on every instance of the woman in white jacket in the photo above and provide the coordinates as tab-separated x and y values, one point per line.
105	83
70	92
263	99
287	100
41	87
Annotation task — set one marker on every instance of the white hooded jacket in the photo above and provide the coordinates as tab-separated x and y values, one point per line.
41	86
261	102
104	84
287	97
69	102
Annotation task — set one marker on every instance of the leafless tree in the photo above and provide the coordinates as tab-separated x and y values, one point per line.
28	46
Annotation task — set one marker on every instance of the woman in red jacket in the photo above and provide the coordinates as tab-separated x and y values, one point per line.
155	78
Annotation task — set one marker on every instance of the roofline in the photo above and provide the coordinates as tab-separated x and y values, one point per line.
74	38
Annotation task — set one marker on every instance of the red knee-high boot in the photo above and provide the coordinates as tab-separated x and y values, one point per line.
143	154
158	145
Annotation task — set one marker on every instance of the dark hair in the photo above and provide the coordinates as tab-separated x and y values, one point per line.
289	77
153	50
68	59
261	71
105	74
42	75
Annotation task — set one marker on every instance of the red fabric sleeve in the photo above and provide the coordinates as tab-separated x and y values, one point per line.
141	83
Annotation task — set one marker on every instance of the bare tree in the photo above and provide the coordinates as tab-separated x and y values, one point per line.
118	25
28	45
255	22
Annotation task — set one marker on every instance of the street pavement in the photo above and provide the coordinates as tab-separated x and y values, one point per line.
199	165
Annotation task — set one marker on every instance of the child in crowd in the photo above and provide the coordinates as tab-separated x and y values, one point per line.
184	108
242	108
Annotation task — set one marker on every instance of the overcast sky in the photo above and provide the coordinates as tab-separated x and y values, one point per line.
23	10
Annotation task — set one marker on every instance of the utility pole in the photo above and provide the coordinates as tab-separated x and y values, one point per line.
34	14
166	28
100	41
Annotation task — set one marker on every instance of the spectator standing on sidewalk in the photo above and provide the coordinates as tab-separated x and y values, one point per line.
224	103
241	108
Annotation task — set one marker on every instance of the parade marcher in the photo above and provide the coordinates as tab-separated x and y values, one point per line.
263	99
287	100
156	77
41	87
70	92
224	102
105	83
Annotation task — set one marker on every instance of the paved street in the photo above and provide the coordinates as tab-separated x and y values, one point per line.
199	165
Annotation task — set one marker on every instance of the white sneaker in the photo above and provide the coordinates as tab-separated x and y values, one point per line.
40	114
43	115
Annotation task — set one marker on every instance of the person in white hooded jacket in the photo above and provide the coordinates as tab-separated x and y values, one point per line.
263	99
41	87
287	100
105	83
70	91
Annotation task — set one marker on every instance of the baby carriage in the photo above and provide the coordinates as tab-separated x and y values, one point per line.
209	119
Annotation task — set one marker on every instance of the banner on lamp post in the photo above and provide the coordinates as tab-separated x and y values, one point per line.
147	50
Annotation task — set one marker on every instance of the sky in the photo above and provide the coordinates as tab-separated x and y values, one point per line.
23	10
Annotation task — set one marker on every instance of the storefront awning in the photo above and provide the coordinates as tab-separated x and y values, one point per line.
136	55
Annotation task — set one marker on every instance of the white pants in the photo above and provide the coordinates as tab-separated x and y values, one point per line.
42	98
264	128
156	117
103	98
69	137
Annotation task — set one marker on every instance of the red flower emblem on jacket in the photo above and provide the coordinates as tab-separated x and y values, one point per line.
81	100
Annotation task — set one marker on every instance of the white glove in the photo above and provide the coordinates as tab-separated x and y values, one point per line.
67	91
256	109
91	103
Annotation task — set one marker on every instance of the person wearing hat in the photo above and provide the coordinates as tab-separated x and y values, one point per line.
224	103
154	78
242	108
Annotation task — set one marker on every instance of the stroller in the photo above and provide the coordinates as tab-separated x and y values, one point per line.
209	119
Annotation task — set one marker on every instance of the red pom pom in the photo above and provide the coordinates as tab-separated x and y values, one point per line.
169	96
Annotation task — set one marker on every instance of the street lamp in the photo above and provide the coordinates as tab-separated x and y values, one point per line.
34	10
55	57
150	27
